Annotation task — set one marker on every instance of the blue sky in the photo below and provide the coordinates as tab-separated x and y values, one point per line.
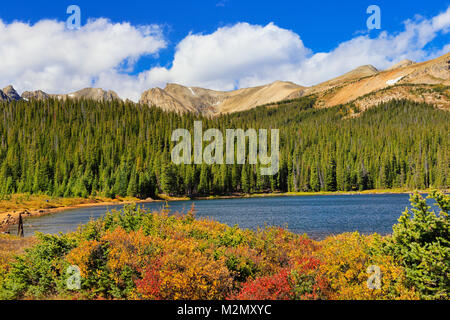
321	27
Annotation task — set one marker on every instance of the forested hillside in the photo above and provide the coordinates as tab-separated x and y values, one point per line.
81	148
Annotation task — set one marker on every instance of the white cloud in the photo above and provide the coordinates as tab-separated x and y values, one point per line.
238	56
46	56
245	55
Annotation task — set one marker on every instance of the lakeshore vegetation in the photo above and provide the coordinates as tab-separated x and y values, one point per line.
135	254
116	149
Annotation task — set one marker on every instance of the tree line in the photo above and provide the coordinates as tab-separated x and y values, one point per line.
87	148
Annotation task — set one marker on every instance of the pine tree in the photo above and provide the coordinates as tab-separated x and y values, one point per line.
314	182
245	181
132	189
330	180
168	179
203	186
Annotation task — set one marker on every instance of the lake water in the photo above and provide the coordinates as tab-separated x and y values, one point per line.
317	216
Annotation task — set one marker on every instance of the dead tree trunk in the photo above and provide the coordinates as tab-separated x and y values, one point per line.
20	228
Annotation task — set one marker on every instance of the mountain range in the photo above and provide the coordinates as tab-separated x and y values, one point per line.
364	86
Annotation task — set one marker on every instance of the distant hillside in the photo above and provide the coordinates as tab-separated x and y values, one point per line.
346	90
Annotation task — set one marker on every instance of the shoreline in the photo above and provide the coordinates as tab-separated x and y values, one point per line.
318	193
9	218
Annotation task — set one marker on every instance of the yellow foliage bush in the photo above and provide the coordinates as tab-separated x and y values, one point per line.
345	259
132	249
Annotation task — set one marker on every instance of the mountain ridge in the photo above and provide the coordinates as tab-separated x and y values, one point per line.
347	88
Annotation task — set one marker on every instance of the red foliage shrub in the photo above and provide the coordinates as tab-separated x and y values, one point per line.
275	287
307	283
148	287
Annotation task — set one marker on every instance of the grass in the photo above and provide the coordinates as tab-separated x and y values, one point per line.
11	245
171	198
16	202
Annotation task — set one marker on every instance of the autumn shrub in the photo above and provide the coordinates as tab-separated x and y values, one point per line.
110	266
345	260
4	267
243	262
149	286
187	273
231	237
11	246
286	267
127	255
275	287
276	245
308	282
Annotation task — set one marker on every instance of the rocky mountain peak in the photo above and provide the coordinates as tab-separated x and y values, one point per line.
36	95
97	94
11	93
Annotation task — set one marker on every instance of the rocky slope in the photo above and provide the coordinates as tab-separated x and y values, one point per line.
11	93
175	97
38	95
342	91
96	94
182	99
87	93
4	97
401	64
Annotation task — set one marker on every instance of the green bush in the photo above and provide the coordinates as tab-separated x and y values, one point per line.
421	243
41	271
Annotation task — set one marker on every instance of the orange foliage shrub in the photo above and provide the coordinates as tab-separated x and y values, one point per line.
84	256
187	273
309	284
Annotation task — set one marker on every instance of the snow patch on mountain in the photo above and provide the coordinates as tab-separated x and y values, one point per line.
394	81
